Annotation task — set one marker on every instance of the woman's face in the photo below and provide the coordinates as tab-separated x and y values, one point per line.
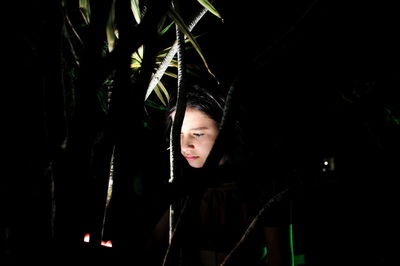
198	135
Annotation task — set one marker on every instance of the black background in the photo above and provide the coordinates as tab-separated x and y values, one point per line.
318	79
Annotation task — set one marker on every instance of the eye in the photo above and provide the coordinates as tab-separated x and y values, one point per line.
197	135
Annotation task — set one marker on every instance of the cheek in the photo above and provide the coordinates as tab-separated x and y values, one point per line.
207	146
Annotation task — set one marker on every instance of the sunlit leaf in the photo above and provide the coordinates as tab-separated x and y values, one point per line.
136	10
206	4
157	90
185	30
172	63
164	90
110	28
137	58
84	7
173	75
135	65
138	55
161	55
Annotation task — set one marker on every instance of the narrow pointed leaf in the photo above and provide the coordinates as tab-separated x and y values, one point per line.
185	30
110	28
136	10
152	104
206	4
84	7
170	74
137	58
163	31
164	90
157	90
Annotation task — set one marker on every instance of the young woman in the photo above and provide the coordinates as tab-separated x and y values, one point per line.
221	211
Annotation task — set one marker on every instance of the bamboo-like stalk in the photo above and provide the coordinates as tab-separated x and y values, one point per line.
109	192
173	231
180	104
176	128
179	114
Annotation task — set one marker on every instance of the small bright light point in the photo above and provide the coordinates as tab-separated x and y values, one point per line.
86	238
326	162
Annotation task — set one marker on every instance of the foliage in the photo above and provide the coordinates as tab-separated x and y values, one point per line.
114	58
77	22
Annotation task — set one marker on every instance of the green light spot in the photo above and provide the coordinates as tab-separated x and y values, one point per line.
296	259
291	243
264	253
299	260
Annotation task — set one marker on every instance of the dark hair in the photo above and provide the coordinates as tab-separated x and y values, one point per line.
211	102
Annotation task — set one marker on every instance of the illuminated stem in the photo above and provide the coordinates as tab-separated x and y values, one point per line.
174	231
109	191
291	243
170	55
176	127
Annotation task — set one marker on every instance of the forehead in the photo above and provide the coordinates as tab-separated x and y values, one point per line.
196	113
195	118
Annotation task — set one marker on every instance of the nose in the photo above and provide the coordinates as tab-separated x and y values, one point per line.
186	143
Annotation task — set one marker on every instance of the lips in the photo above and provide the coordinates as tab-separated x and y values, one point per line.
191	157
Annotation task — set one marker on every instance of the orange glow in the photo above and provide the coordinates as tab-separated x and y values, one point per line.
86	238
103	243
106	244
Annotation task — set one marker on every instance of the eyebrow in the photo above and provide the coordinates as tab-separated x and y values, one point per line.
199	128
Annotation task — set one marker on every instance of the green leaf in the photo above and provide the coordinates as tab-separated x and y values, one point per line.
170	74
206	4
164	90
152	104
110	28
135	6
137	58
84	7
163	31
157	90
160	90
185	30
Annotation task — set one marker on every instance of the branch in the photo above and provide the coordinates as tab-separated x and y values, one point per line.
137	36
278	197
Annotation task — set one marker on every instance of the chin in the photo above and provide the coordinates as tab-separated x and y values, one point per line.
196	165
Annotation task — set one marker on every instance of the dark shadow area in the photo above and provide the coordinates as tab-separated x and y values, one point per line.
319	83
